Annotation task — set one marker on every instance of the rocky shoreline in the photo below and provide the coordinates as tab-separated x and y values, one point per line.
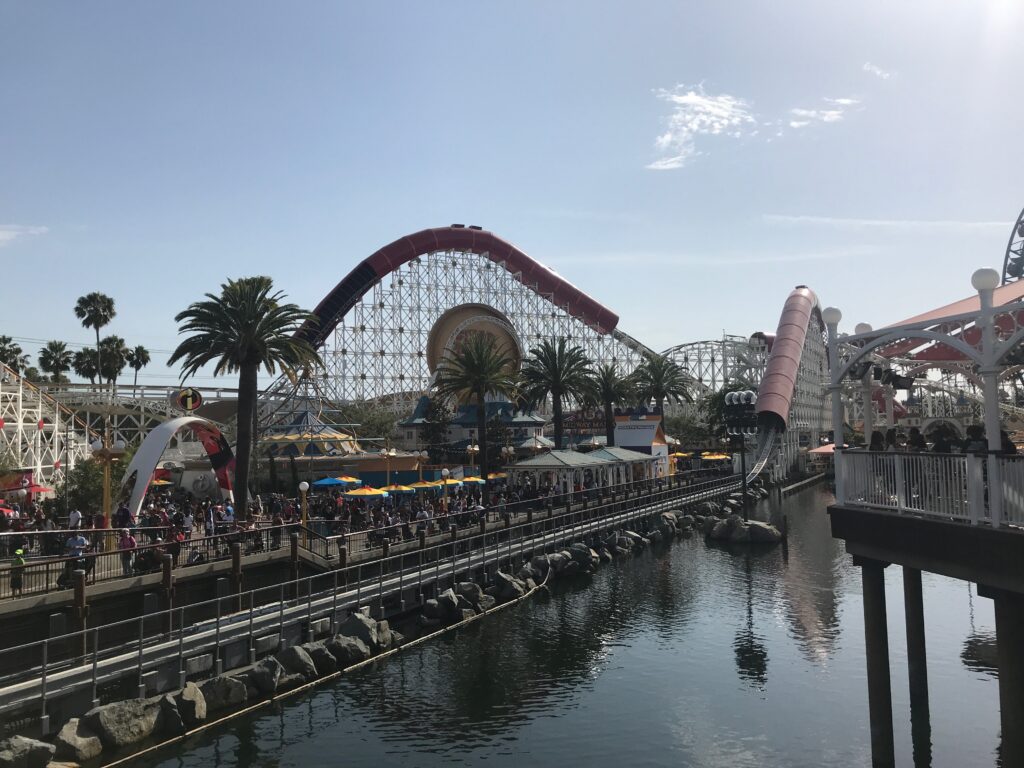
114	730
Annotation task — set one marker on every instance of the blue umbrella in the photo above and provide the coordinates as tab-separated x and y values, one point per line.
329	481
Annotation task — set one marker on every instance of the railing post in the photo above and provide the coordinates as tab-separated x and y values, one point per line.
839	460
342	560
167	588
44	719
81	608
995	490
975	489
295	564
901	488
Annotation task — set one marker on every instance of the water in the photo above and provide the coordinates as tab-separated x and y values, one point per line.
690	656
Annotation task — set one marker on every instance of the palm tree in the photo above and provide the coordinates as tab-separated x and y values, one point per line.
95	310
12	355
84	364
557	371
245	328
112	359
56	359
480	367
138	358
609	389
659	378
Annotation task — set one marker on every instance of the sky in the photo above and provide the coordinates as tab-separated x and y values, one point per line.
685	163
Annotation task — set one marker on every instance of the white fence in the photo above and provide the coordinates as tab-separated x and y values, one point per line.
976	489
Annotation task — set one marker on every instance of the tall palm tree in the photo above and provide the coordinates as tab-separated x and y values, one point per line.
138	358
84	364
560	372
95	310
12	355
56	359
245	328
659	378
609	388
480	367
112	359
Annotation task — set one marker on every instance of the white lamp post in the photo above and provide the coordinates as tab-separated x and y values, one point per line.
303	487
444	486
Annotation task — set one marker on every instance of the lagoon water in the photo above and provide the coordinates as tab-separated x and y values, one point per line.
687	656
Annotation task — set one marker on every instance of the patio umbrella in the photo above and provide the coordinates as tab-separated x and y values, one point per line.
365	492
682	455
424	485
497	475
325	481
473	480
396	488
161	482
33	488
349	480
449	481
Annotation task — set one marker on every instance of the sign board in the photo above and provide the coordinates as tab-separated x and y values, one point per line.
637	435
187	399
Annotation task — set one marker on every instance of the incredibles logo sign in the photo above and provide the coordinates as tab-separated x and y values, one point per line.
188	399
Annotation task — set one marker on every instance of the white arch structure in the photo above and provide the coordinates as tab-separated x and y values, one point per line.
140	472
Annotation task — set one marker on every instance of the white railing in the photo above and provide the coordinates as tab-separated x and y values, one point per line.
976	489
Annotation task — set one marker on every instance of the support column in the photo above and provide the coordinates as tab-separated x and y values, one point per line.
917	664
1009	644
876	646
869	408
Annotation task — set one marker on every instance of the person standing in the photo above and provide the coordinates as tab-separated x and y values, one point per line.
17	572
127	545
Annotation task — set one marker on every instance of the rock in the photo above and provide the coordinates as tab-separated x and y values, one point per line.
397	639
468	614
170	717
349	650
432	609
76	742
709	525
720	530
472	592
557	561
487	602
740	534
604	555
655	536
530	584
429	625
384	635
222	692
464	604
290	681
623	551
191	704
526	572
571	569
509	588
323	659
265	676
540	565
23	752
296	661
124	722
449	603
364	628
763	533
687	521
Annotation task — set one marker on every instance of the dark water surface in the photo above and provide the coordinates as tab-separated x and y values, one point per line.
688	656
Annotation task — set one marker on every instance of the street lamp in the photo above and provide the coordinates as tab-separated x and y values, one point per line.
741	421
387	453
444	486
303	487
106	452
423	456
472	450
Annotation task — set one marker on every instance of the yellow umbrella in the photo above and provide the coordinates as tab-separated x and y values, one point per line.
682	455
365	491
350	480
423	485
474	480
396	488
449	481
162	482
497	475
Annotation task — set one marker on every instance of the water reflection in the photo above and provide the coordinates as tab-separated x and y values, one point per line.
751	653
979	653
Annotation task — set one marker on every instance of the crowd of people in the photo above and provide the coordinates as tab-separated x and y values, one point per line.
943	441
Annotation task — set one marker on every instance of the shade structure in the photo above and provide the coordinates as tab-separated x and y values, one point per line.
328	481
161	482
824	449
449	481
308	435
365	492
682	455
497	475
349	480
396	488
33	488
473	480
424	485
708	456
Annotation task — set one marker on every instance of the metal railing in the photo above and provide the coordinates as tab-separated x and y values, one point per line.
96	658
974	488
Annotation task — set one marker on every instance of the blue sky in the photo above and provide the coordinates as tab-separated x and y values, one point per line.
685	163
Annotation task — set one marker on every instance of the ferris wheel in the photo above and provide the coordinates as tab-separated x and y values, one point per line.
1013	263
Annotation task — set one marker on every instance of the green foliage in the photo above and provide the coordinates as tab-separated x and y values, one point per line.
608	389
86	365
659	378
56	359
560	372
437	422
373	421
137	359
112	358
497	435
12	355
246	328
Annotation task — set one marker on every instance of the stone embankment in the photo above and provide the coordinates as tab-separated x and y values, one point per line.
116	729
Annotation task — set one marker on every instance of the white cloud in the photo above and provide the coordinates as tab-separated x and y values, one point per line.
831	114
847	102
876	70
695	114
11	232
891	224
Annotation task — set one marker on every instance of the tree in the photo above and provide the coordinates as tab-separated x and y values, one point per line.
247	327
95	310
84	364
372	421
437	420
560	372
32	374
56	359
609	389
137	359
113	357
659	378
480	367
12	355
